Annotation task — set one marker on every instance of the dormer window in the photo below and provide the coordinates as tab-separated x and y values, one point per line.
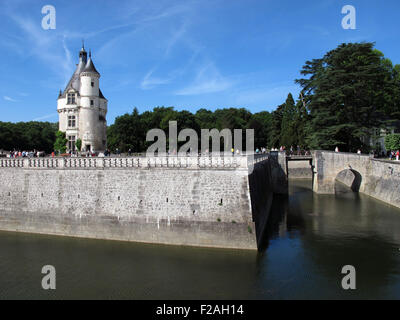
71	98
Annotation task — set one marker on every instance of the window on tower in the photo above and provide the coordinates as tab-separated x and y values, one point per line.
71	143
92	84
71	122
71	98
91	102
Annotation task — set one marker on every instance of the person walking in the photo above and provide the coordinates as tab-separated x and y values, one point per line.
397	155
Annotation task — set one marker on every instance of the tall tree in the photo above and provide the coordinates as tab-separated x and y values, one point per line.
348	92
276	124
288	126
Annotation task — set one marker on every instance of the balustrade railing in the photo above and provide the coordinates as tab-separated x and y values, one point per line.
237	161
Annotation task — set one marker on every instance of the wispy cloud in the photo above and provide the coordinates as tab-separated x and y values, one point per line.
269	95
47	116
167	13
43	45
7	98
207	80
175	38
150	82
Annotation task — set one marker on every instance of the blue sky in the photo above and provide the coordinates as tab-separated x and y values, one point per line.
187	54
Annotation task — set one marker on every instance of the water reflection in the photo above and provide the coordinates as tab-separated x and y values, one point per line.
310	238
319	234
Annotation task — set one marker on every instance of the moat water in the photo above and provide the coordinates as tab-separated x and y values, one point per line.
311	237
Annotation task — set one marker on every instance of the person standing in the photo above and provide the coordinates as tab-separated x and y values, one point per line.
397	155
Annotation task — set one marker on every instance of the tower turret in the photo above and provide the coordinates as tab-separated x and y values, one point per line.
83	54
82	107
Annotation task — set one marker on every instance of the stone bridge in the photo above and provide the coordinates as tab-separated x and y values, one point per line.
377	178
329	166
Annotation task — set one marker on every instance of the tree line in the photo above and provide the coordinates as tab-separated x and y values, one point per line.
346	96
28	136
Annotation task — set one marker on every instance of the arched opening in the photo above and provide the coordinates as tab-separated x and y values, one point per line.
348	178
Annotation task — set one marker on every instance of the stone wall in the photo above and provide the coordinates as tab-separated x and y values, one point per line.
182	201
261	191
383	181
376	178
346	177
300	169
279	172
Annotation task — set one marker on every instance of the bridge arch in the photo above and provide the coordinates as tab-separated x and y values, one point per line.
328	165
351	178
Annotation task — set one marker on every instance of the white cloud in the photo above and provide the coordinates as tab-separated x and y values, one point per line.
150	82
207	80
7	98
266	95
43	45
175	38
47	116
171	11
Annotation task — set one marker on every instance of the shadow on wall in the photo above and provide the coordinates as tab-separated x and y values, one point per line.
277	215
268	184
350	178
261	195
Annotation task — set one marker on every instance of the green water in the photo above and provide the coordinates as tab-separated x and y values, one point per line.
310	238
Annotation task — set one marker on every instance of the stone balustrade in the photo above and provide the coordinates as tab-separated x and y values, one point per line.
218	162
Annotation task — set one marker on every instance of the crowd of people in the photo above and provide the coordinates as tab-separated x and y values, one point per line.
22	154
393	155
292	151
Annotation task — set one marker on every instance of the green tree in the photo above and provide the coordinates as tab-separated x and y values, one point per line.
60	144
261	122
127	132
27	135
392	142
276	126
78	144
348	92
288	135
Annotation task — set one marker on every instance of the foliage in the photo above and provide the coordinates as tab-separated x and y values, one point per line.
60	144
27	136
348	92
78	144
129	131
392	142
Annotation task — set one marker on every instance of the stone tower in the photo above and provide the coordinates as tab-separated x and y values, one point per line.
82	108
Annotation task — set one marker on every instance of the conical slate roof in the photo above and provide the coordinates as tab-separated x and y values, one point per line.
75	81
82	66
90	67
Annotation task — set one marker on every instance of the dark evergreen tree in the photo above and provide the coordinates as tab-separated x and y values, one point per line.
348	93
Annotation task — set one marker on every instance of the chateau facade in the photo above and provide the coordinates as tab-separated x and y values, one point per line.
82	108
